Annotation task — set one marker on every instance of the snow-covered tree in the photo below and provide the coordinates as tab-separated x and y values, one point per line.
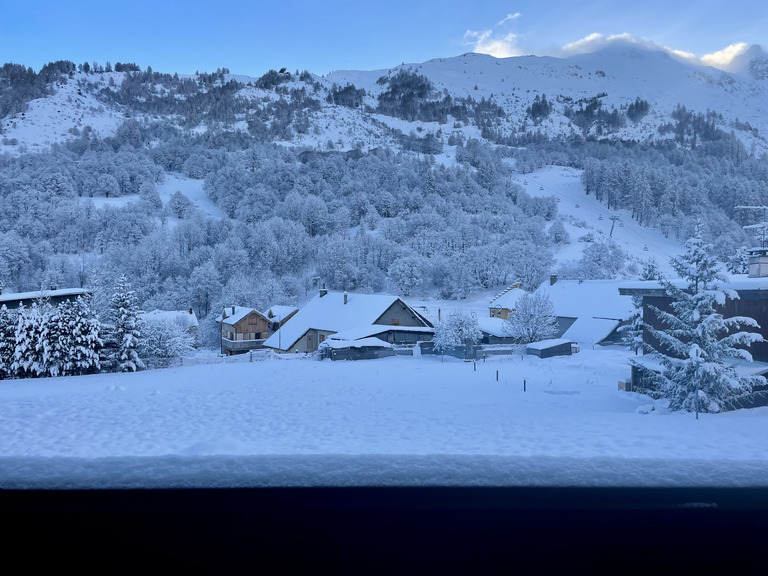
29	355
79	340
126	330
165	340
457	329
533	319
7	341
696	340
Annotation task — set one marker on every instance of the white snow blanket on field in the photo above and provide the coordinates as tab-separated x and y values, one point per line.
426	420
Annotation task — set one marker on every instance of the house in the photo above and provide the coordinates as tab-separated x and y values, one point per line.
589	312
330	313
505	303
278	315
55	296
242	329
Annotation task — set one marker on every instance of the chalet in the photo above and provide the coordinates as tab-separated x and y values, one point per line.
505	303
54	296
242	329
330	313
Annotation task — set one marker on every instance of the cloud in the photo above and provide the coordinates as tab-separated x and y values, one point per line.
723	58
496	41
593	42
485	42
509	17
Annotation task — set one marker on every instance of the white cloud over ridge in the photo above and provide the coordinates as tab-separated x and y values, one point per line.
500	43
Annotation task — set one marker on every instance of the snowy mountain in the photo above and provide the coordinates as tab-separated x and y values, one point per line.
610	79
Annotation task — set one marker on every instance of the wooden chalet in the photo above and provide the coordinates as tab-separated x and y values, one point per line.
242	329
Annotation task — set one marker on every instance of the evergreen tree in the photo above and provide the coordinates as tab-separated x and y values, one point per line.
7	341
29	345
82	341
533	319
696	339
125	332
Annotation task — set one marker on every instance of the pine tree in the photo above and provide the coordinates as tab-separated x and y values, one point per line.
29	344
83	342
7	341
533	319
125	332
696	339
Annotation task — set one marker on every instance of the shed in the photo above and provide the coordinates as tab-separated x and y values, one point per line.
550	348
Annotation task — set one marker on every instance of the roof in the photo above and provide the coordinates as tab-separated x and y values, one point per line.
185	318
493	326
280	312
590	298
240	312
588	330
544	344
364	342
508	298
738	282
361	332
59	293
330	313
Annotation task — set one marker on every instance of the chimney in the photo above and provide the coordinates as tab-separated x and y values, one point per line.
438	314
552	279
323	291
233	310
190	311
345	296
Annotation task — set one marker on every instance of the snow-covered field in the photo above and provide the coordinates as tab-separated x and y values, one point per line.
396	421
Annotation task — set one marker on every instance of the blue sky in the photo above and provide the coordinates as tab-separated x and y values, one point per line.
249	37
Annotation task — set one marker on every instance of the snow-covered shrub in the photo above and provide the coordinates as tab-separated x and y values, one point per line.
533	319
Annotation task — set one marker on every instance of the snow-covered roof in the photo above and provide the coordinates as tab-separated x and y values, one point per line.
544	344
588	330
233	314
508	298
363	342
331	314
279	312
492	326
361	332
186	318
58	293
590	298
732	281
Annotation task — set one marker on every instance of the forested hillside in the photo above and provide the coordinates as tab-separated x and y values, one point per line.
394	183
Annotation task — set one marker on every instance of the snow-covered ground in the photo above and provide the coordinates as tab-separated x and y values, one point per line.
396	421
575	205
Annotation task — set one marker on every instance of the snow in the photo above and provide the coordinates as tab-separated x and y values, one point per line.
338	344
185	318
551	343
576	206
493	326
291	421
60	292
192	189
